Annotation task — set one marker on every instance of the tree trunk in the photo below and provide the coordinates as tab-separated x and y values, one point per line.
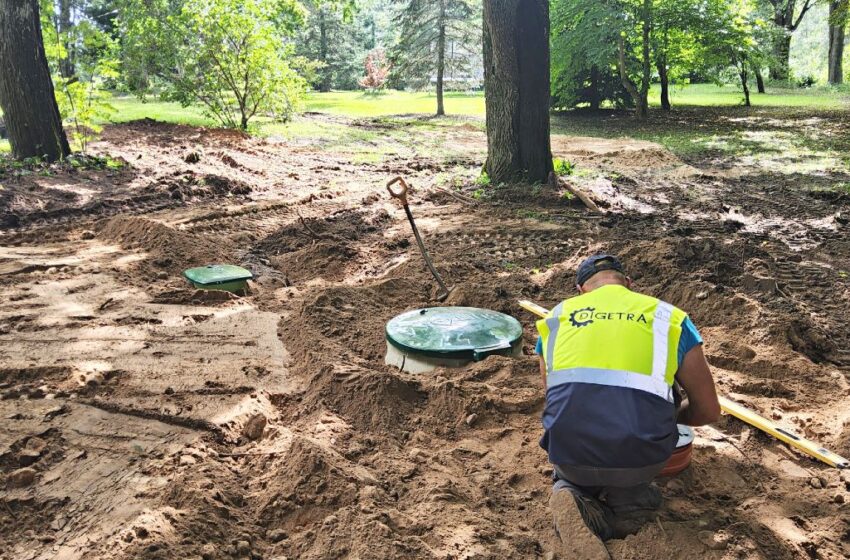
26	90
742	72
836	47
646	62
781	55
641	109
640	95
787	17
516	80
325	76
759	79
441	57
665	83
66	65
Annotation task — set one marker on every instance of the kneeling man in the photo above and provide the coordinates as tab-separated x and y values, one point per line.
610	358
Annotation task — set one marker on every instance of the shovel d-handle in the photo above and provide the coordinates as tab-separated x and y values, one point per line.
398	189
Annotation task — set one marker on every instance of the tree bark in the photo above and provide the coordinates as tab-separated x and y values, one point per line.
516	80
26	90
836	47
742	72
786	17
67	68
325	79
646	63
759	79
781	55
641	108
441	57
665	83
639	94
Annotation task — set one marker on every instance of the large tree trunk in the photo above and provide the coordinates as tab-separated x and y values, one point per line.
66	65
26	90
787	17
516	81
836	47
665	83
759	79
781	55
441	57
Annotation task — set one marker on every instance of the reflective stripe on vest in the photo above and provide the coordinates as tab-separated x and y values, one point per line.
655	378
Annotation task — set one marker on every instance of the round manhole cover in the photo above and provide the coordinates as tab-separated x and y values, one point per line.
454	332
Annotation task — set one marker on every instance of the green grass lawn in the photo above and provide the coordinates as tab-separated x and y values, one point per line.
710	95
359	104
128	108
461	106
351	103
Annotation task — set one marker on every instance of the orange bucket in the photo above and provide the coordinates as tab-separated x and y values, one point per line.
681	457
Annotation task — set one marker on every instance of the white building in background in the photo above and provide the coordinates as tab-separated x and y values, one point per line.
471	77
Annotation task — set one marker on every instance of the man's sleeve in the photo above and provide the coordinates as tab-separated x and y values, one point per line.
539	348
690	338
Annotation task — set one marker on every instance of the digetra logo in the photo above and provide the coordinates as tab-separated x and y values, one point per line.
587	315
582	317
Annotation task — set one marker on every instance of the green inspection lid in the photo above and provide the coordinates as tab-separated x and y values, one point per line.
454	332
213	274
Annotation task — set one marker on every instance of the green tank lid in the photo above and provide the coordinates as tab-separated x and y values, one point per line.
454	332
214	274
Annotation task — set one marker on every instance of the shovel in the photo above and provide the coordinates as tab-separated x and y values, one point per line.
400	192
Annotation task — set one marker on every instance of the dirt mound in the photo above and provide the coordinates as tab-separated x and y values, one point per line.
325	248
166	248
325	259
350	320
345	226
620	153
372	400
195	297
186	185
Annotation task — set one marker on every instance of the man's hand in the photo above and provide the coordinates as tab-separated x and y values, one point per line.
702	406
543	371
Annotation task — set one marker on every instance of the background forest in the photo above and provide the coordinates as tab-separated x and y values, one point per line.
291	55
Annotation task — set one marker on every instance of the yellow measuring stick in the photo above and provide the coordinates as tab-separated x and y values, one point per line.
756	420
797	442
533	307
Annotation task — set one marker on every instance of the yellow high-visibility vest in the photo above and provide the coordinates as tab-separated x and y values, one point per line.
613	336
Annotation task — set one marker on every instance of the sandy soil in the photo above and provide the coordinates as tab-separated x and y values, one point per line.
143	419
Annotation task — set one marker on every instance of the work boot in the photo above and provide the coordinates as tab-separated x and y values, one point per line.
632	508
580	525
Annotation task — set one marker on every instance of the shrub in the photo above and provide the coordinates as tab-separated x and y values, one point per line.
377	69
82	97
562	167
225	55
806	82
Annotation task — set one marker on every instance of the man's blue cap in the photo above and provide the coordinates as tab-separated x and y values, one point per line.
597	263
